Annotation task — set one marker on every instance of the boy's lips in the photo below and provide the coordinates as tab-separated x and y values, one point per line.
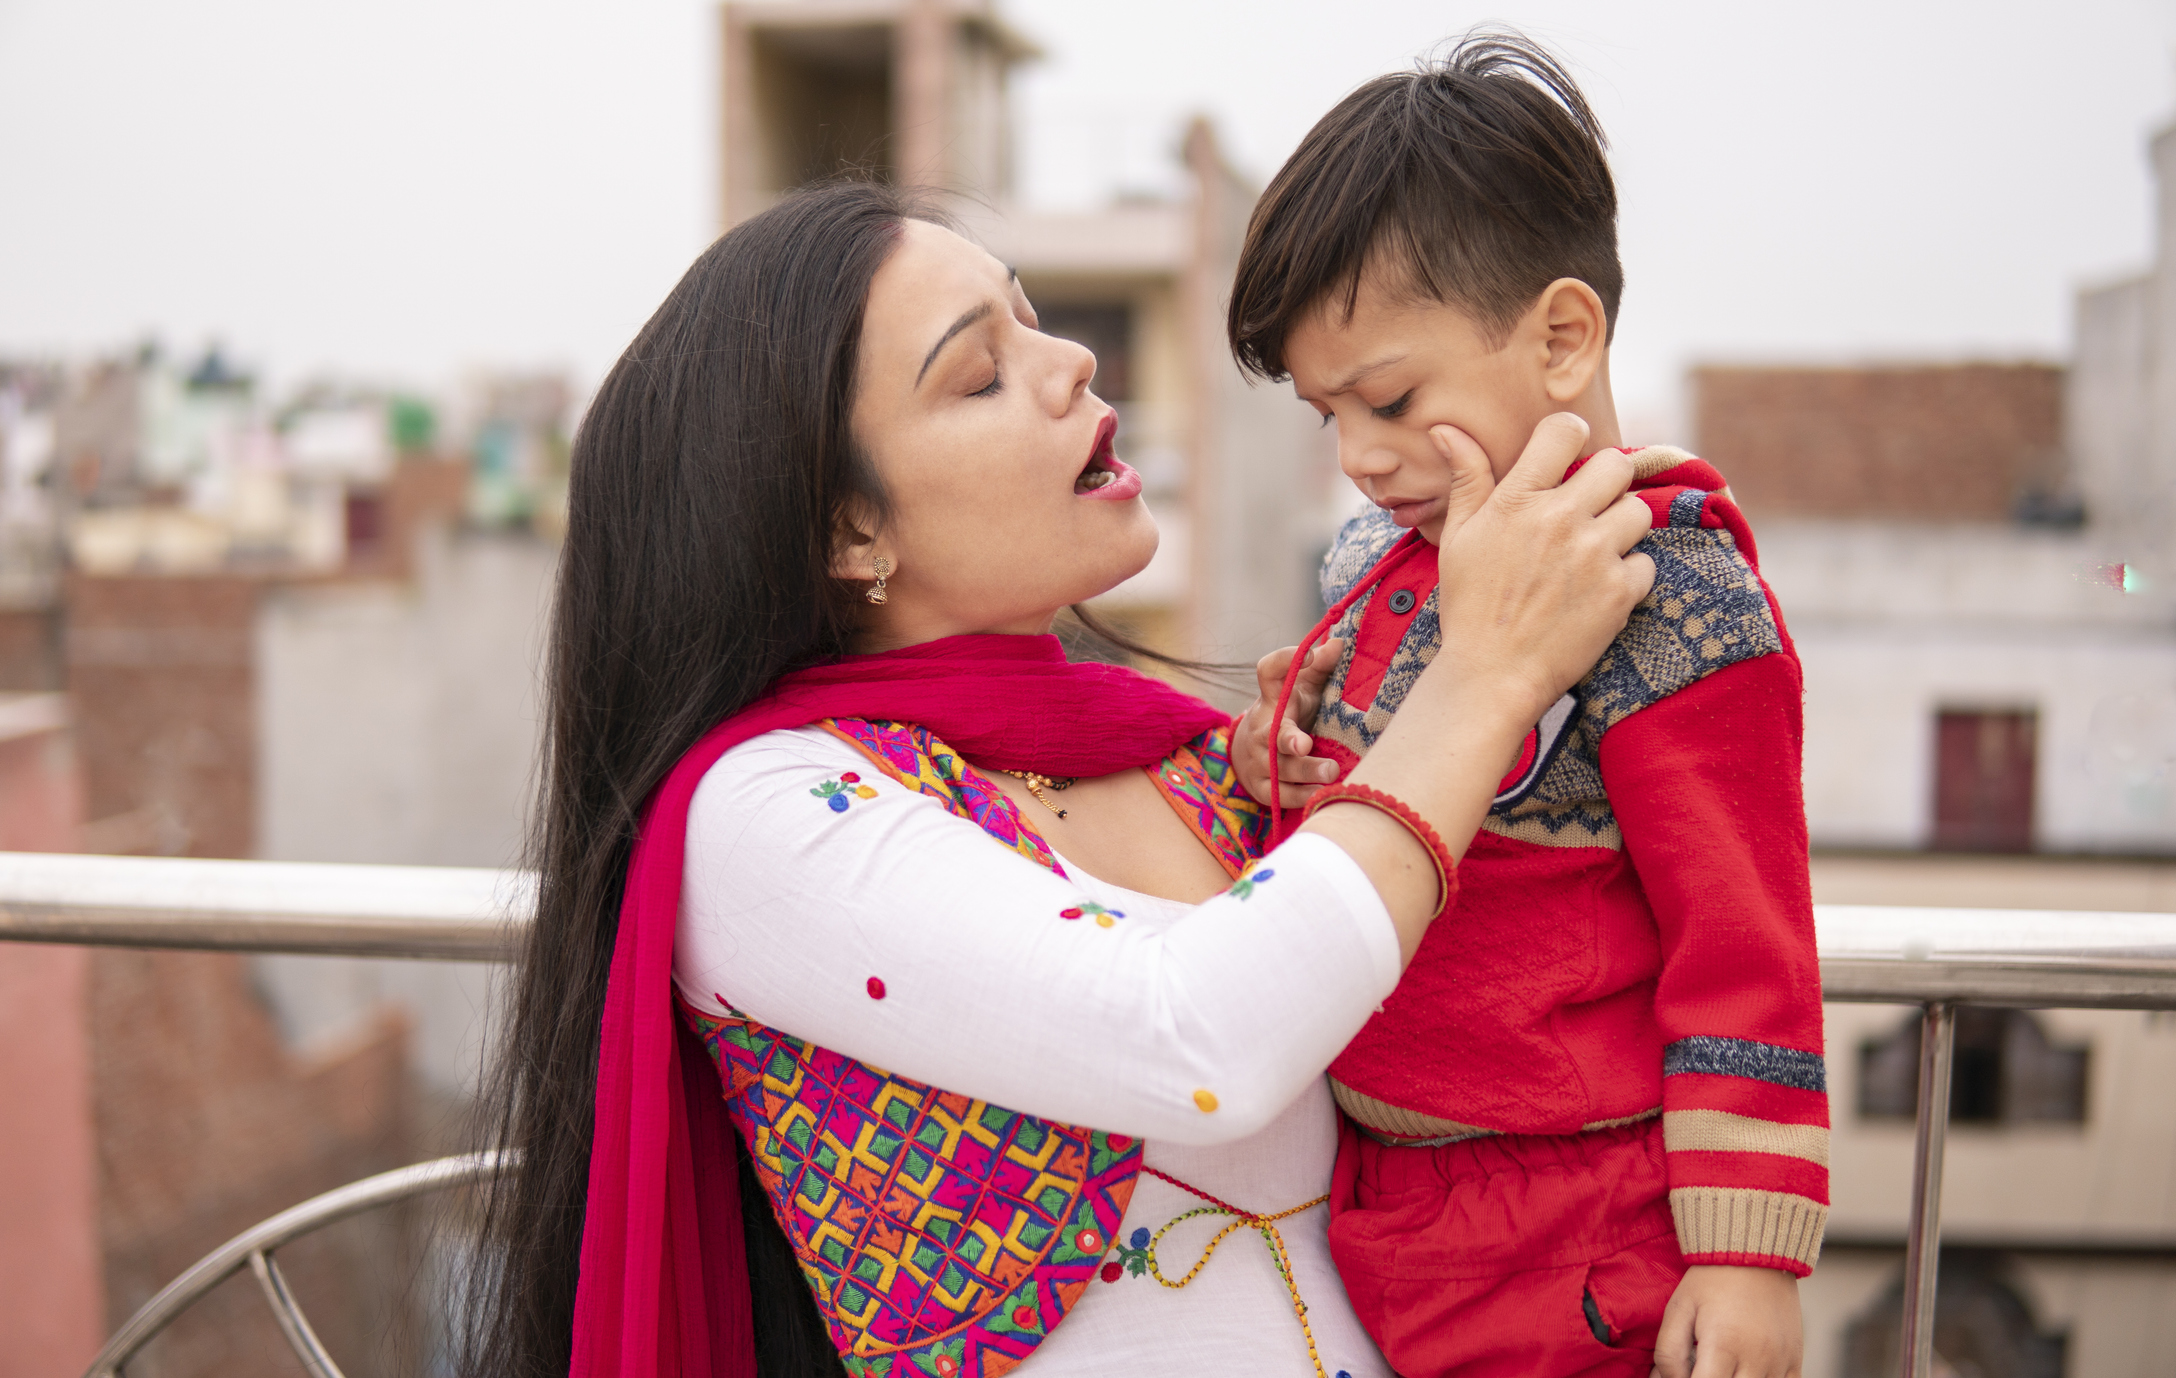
1106	476
1411	512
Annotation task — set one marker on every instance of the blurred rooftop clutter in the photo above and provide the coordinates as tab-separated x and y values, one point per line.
146	464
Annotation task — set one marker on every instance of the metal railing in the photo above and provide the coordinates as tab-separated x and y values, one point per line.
252	1249
1938	959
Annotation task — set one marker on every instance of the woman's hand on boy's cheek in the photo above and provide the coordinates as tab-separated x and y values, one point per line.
1731	1322
1470	479
1302	774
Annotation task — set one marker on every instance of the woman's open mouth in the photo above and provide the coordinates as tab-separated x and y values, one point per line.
1106	475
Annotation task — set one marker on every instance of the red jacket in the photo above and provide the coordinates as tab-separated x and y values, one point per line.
1633	931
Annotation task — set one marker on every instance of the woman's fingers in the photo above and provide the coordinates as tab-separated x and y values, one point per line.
1269	672
1626	522
1473	478
1600	481
1556	442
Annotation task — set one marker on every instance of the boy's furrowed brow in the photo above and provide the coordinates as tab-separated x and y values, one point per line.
1364	372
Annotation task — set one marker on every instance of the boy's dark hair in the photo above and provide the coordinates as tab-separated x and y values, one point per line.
1478	178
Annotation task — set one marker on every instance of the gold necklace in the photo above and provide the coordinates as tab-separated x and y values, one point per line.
1038	783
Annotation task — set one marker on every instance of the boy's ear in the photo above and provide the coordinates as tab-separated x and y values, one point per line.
1577	331
854	548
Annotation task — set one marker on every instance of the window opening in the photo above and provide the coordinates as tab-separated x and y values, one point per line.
1983	780
2006	1071
1983	1326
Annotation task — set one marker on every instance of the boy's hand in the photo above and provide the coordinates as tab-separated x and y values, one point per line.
1302	774
1725	1321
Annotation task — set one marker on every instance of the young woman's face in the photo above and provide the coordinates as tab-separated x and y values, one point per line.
1007	501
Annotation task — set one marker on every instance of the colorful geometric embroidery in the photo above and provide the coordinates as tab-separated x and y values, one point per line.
839	792
917	759
940	1234
1089	909
1202	787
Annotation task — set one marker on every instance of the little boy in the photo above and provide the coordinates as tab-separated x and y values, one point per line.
1589	1131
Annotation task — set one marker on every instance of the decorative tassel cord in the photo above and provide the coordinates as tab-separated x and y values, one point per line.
1265	1224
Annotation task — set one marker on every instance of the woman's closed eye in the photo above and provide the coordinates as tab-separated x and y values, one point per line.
1391	410
992	388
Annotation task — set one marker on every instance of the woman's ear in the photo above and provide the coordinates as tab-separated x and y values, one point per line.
1578	337
854	550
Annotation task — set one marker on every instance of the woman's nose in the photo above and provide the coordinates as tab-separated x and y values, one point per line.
1076	370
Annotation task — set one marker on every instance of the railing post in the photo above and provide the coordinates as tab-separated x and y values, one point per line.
1923	1244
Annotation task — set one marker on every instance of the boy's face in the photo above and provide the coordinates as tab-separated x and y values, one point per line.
1399	367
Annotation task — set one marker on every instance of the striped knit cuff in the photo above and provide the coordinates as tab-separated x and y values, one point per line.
1741	1225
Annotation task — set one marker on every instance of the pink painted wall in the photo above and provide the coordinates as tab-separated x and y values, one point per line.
52	1293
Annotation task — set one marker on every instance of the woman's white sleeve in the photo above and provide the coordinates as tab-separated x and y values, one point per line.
864	917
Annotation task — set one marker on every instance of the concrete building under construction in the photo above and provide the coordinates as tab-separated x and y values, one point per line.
1244	488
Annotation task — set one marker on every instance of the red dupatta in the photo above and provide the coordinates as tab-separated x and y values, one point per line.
664	1285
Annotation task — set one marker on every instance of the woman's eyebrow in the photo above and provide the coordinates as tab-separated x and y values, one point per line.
957	326
1011	276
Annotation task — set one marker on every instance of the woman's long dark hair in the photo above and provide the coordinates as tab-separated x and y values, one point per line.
710	478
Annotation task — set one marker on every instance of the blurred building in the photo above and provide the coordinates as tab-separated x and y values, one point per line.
1244	487
303	631
1990	650
1978	563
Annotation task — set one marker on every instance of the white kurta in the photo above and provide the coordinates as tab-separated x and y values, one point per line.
893	932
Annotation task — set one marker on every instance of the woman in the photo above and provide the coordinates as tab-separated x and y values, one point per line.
823	513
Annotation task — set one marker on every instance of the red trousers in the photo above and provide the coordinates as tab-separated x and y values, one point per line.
1528	1256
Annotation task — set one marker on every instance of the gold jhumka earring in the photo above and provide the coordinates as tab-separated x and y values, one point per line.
877	595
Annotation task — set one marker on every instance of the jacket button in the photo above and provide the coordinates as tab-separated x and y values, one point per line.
1401	602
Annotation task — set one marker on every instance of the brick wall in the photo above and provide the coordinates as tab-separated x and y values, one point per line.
206	1122
1956	443
160	669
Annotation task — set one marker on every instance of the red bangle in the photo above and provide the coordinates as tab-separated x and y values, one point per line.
1346	792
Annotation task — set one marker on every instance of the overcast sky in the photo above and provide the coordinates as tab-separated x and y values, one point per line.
402	189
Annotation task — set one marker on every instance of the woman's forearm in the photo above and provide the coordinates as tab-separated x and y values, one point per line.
1443	755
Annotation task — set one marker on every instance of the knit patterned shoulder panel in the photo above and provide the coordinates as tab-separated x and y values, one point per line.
1707	611
1360	542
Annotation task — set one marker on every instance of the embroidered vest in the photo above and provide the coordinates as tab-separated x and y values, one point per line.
943	1235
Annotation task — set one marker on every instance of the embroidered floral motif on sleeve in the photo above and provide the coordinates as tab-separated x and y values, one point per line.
918	760
842	791
1255	875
